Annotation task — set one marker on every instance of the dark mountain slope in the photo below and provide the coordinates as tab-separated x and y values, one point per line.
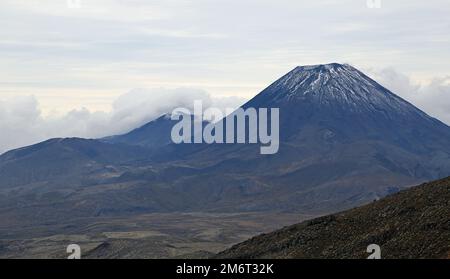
414	223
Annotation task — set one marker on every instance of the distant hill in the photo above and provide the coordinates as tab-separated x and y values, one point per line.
152	135
64	160
414	223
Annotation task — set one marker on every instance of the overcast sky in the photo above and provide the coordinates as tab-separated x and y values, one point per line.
59	60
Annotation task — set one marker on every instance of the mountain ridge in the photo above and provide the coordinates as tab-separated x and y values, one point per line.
153	134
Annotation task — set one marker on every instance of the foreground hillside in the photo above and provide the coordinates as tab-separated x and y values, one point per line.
410	224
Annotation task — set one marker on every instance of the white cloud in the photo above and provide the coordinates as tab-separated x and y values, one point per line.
22	122
433	97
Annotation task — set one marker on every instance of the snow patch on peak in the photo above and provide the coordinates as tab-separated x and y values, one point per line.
310	78
336	87
329	66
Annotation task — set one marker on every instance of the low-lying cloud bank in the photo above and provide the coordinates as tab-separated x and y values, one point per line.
22	122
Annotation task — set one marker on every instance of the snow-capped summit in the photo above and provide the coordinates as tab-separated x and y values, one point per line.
331	77
335	86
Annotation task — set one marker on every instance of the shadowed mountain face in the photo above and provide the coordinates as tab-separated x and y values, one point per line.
414	223
345	141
